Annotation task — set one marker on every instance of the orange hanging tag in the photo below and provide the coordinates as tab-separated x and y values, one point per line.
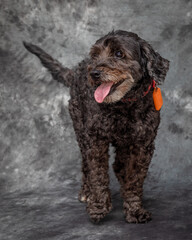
157	98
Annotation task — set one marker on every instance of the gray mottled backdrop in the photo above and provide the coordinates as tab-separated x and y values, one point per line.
38	150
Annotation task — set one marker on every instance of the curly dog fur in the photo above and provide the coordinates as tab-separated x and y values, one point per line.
111	102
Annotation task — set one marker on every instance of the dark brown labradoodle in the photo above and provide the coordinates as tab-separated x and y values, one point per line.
111	102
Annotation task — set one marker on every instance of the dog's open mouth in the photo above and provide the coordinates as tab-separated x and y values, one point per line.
106	89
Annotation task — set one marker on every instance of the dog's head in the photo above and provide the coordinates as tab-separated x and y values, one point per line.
119	61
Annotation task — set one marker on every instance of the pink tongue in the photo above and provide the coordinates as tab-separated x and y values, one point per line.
102	91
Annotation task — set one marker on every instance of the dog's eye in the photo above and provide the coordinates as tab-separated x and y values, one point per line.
119	54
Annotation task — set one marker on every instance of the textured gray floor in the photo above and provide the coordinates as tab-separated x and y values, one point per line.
39	157
57	215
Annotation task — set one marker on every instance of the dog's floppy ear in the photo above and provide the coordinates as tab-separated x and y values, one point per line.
156	65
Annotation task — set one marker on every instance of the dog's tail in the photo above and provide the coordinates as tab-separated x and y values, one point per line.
61	74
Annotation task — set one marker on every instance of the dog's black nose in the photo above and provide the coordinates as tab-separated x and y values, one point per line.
95	74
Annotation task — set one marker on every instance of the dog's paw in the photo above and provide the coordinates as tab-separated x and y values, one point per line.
98	211
83	197
138	216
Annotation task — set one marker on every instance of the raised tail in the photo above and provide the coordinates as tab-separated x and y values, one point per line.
59	73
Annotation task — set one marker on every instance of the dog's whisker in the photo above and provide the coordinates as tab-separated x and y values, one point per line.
120	90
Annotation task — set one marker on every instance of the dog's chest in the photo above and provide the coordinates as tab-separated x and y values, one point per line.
112	125
122	126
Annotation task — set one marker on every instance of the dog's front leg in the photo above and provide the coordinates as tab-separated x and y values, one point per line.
99	201
135	163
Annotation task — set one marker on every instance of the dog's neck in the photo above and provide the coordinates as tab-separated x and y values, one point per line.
138	93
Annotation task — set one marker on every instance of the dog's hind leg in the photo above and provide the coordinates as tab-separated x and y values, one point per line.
78	124
84	192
